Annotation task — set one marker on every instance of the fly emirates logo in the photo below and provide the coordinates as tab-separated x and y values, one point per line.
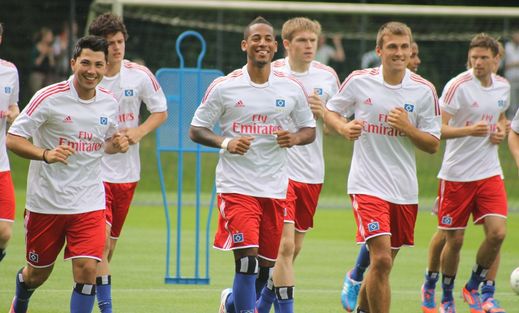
84	144
259	125
486	118
381	127
3	114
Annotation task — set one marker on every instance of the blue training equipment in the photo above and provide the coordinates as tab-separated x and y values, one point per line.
184	89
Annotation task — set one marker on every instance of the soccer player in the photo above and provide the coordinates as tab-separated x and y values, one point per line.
9	85
253	105
131	84
437	243
72	124
305	163
353	279
473	105
513	139
395	111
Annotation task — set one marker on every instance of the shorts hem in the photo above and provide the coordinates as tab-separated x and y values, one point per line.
83	257
304	230
289	222
265	258
490	214
40	266
376	235
234	248
452	228
6	220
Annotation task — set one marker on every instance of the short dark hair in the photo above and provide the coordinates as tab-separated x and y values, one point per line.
483	40
107	24
94	43
257	20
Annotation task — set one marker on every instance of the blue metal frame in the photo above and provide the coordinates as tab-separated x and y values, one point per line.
178	278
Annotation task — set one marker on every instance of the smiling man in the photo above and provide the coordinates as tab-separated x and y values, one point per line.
252	105
72	124
395	111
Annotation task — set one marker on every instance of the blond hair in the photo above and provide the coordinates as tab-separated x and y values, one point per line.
393	28
298	24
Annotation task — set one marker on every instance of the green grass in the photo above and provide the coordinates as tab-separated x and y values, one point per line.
139	265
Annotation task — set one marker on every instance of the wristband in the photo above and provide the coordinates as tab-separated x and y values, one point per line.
44	156
225	143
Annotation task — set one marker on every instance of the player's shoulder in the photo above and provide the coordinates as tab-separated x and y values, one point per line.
54	90
460	80
421	82
285	79
322	68
136	70
106	93
232	77
370	75
8	66
501	81
279	64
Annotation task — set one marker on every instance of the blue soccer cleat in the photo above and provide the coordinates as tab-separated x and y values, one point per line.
350	293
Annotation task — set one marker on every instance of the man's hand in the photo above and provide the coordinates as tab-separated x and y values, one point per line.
239	145
134	135
317	106
12	113
286	139
398	119
499	135
479	129
351	130
58	154
120	142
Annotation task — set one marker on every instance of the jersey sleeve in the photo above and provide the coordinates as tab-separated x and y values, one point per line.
31	118
211	108
515	122
429	119
449	101
343	102
14	98
152	94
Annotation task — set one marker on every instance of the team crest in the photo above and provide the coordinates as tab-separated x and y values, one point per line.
237	238
373	226
500	103
409	107
7	90
446	220
280	103
34	257
103	120
128	92
318	91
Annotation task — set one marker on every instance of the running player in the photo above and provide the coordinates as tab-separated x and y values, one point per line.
9	89
252	106
395	111
131	84
473	105
72	124
353	279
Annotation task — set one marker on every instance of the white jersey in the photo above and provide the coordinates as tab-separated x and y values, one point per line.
134	84
472	158
306	163
383	163
9	89
56	116
244	108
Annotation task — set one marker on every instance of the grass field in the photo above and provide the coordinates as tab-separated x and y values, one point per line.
139	264
139	267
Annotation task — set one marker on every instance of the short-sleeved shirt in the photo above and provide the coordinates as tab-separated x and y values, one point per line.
244	108
472	158
9	90
57	116
306	163
133	85
383	163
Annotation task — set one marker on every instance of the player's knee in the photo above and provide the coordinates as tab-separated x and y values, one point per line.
455	241
287	248
381	263
36	278
247	265
5	235
496	236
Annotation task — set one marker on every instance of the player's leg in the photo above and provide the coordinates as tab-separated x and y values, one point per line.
103	277
7	210
85	243
491	210
488	288
450	258
45	236
239	230
377	280
353	280
432	273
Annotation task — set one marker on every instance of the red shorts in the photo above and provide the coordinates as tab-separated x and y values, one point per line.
118	200
457	200
7	203
248	222
46	234
301	203
376	217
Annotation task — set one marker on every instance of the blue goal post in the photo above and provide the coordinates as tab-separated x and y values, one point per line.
184	89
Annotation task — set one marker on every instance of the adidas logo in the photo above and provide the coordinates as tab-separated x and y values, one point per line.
239	104
475	104
367	101
67	119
